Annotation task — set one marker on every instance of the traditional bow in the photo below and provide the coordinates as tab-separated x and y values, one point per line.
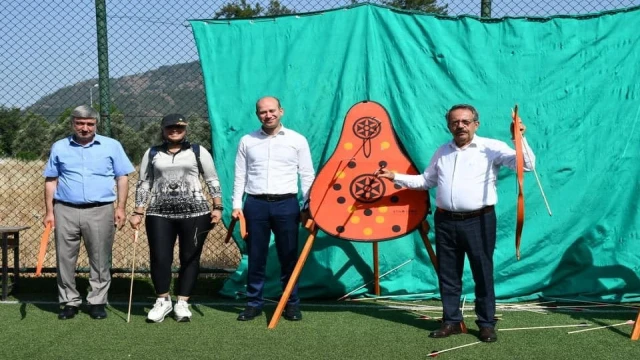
232	225
43	248
517	136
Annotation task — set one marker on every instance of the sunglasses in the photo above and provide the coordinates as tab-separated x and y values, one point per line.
175	127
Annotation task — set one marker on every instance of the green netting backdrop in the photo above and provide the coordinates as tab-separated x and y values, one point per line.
577	83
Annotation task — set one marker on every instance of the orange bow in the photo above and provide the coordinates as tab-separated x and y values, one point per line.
43	248
517	136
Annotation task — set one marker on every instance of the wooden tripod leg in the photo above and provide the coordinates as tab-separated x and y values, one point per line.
635	333
424	230
294	277
376	270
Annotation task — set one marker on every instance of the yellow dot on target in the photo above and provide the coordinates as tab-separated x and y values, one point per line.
385	145
351	208
348	146
340	175
379	219
383	209
367	231
355	219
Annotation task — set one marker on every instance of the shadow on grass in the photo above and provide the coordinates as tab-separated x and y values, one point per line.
42	293
337	309
600	316
579	283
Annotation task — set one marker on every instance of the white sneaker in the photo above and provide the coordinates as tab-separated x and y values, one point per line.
181	311
161	308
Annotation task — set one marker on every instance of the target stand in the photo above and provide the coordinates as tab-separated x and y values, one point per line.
635	333
347	201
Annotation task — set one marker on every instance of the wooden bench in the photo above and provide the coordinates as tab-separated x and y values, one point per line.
10	240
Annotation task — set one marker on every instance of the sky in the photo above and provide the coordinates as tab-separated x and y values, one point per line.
47	45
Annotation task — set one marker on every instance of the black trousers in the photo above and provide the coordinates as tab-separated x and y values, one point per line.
191	233
475	237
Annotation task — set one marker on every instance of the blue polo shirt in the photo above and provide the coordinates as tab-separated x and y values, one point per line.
86	173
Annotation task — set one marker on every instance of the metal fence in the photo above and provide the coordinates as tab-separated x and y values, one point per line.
50	63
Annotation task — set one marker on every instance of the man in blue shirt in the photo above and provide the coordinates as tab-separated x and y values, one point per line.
85	174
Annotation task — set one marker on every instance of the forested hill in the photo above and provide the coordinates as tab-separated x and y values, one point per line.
138	102
140	97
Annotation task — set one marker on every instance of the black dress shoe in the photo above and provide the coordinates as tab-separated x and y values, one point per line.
446	330
488	334
68	312
292	313
97	312
249	313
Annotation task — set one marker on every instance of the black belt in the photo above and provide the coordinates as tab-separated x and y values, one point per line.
465	215
83	206
273	197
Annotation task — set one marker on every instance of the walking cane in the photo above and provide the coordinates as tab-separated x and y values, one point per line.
133	269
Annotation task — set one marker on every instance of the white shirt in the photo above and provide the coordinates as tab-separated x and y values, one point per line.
466	178
270	164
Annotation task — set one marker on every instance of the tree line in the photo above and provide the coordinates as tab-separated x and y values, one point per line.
242	9
28	136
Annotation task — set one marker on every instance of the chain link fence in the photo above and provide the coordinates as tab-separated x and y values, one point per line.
49	63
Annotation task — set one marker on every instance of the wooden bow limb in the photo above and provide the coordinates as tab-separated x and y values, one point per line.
43	248
514	114
232	225
535	173
520	178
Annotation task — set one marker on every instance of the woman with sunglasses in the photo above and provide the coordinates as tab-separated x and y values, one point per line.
177	208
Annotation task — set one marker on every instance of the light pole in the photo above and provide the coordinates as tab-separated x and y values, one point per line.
91	94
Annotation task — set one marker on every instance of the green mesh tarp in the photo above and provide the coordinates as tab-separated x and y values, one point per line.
575	79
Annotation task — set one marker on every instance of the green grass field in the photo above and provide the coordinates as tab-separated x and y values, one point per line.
329	330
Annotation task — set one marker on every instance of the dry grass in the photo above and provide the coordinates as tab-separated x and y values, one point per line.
21	203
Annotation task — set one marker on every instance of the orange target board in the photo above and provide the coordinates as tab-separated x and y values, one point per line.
347	201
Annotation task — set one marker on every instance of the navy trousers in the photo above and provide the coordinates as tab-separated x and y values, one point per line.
475	237
263	217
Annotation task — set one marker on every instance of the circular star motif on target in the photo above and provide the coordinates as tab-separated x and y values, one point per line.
367	128
367	188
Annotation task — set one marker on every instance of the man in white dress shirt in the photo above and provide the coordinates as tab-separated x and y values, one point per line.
268	163
465	171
